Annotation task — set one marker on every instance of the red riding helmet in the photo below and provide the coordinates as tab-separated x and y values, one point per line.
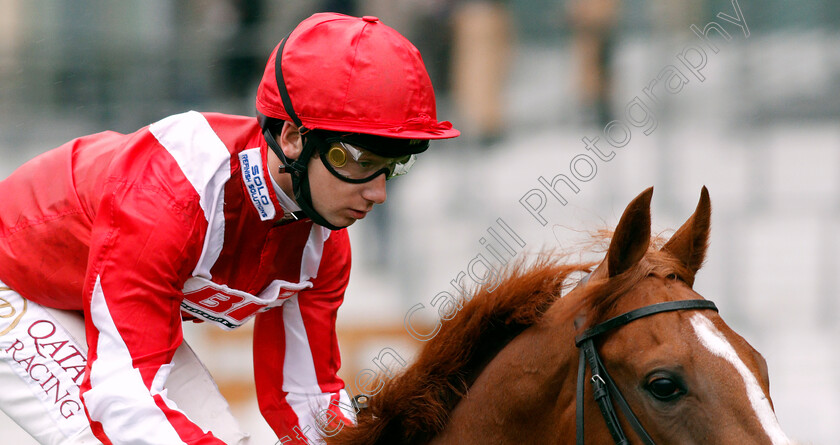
353	75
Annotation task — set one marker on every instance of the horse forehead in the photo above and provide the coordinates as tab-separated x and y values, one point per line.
667	330
666	336
654	290
674	339
663	337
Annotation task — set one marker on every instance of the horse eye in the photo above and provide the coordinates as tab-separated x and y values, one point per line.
665	389
672	276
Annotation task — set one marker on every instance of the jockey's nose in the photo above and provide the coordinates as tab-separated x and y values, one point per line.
374	191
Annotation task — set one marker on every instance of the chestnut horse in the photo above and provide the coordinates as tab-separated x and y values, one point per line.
505	369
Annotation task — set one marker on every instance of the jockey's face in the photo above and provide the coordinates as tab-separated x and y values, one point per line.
341	203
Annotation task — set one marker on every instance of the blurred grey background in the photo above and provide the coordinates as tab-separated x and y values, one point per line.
526	81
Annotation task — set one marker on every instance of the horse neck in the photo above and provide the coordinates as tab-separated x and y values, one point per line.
525	394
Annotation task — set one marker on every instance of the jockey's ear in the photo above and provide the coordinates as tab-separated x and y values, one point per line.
690	241
290	140
632	235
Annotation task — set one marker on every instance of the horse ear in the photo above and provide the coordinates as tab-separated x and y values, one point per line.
690	241
632	235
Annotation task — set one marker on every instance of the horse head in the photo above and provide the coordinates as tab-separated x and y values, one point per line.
506	370
686	375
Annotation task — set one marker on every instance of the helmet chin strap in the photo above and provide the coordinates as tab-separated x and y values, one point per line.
300	179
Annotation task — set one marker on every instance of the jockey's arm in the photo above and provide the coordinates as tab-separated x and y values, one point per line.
144	243
296	356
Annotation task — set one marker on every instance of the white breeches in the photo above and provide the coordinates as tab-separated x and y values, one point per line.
42	357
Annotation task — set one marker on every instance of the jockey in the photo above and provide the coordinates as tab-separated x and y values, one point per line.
109	242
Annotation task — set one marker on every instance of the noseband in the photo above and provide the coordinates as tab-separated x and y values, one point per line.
603	386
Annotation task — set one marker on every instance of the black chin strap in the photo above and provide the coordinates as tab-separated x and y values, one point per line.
604	388
296	168
303	195
300	179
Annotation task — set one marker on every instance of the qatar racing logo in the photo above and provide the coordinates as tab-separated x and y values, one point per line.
48	360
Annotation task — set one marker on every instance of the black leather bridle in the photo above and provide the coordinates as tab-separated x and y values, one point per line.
603	386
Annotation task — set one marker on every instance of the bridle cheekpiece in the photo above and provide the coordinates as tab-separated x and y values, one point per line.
604	388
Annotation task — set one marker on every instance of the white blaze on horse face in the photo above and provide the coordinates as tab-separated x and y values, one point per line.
716	342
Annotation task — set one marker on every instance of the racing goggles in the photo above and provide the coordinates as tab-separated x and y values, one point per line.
355	164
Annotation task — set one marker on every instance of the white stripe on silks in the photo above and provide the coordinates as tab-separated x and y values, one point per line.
300	381
299	375
118	398
307	407
298	365
310	409
205	161
346	406
717	344
311	259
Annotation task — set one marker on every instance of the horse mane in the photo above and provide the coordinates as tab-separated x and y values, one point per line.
414	406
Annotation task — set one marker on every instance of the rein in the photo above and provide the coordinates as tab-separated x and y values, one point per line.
603	386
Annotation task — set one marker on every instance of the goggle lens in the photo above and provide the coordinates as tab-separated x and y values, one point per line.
357	164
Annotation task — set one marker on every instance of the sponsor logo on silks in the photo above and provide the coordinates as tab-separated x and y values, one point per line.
230	308
252	174
45	357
